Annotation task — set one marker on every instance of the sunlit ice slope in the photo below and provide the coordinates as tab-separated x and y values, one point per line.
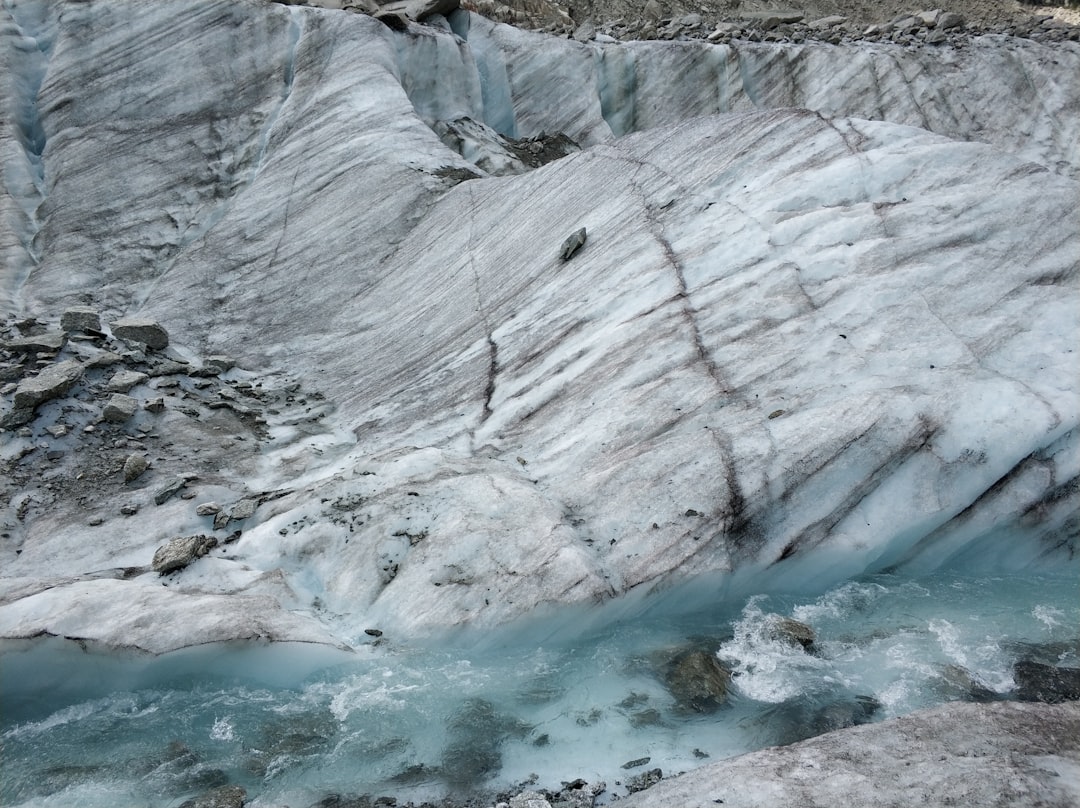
797	344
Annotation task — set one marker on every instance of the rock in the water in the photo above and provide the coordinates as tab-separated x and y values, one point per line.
80	318
221	797
574	242
181	551
141	329
53	382
134	466
49	342
124	380
119	408
1049	684
793	631
698	682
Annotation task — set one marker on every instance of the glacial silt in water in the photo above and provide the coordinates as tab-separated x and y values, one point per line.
426	722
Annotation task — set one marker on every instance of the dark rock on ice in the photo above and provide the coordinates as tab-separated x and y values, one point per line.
53	382
81	318
141	329
181	551
119	408
49	342
574	242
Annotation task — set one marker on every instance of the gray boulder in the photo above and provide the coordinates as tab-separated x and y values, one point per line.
119	408
574	242
53	382
141	329
80	318
181	551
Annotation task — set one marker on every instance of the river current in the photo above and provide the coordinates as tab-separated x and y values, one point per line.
531	704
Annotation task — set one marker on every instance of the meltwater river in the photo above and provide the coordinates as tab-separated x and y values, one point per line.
292	726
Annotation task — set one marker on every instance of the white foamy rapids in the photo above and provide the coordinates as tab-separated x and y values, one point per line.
765	666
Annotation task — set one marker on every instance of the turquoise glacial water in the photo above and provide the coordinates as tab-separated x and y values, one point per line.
466	718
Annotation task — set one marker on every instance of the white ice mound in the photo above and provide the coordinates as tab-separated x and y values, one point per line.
794	344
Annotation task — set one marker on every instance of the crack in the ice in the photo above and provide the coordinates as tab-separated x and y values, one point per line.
30	133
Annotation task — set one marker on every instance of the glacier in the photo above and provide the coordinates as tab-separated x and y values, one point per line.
824	324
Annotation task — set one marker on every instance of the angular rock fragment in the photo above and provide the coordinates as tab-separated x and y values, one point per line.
119	408
53	382
134	466
169	490
181	551
208	509
80	318
49	342
574	242
124	380
141	329
155	405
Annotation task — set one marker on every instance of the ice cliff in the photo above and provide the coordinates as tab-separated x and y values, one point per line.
825	320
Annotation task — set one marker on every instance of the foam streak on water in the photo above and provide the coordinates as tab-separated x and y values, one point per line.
421	723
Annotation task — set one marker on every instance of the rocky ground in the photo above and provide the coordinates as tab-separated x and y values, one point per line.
833	22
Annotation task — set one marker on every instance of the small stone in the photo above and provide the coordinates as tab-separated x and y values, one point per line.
827	22
134	466
936	37
124	380
49	342
89	428
141	329
207	509
57	430
221	520
129	510
80	318
95	521
529	799
167	492
54	454
636	763
119	408
574	242
155	404
373	632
